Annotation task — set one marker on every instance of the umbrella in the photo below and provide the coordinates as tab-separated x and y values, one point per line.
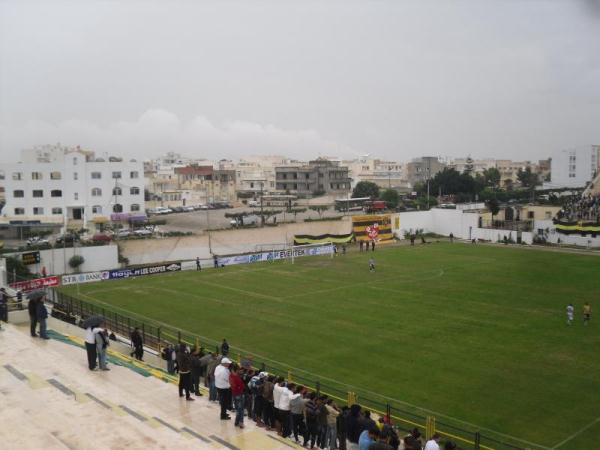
93	321
36	295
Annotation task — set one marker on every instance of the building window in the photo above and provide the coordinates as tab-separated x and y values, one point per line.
96	175
38	211
17	176
117	191
75	176
135	207
134	174
18	194
55	175
118	208
96	192
530	214
96	209
38	193
116	175
548	214
56	210
56	193
36	175
19	211
75	160
76	196
1	174
134	191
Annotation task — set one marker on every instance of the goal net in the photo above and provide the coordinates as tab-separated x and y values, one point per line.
297	251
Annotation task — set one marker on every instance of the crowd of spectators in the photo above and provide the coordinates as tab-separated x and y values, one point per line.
286	408
586	208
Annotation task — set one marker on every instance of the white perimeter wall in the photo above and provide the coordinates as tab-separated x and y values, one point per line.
440	221
553	236
56	261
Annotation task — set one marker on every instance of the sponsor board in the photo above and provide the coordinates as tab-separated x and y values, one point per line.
88	277
142	271
30	258
38	283
275	255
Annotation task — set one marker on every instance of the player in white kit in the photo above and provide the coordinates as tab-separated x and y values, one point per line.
570	312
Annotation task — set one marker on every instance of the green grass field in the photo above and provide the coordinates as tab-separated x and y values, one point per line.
473	333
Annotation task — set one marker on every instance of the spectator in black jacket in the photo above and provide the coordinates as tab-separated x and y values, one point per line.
354	424
42	315
137	343
32	309
185	368
196	370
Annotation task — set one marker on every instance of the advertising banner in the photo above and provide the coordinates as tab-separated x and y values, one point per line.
142	271
84	277
372	227
274	255
38	283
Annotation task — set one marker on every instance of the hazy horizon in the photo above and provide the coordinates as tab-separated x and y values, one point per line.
397	80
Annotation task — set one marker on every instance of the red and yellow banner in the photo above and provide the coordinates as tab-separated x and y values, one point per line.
372	227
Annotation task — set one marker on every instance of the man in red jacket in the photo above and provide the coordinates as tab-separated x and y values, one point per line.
237	391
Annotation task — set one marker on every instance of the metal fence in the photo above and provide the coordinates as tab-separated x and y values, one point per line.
404	416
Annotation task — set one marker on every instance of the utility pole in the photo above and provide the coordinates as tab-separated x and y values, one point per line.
428	172
262	217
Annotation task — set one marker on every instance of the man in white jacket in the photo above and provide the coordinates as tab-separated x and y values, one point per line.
223	387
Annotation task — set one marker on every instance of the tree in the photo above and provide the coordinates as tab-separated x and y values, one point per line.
527	178
75	262
320	208
492	177
296	211
494	207
16	270
390	196
365	189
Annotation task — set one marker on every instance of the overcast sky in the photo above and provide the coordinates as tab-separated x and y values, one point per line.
397	79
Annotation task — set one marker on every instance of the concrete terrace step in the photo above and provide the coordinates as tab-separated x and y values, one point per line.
51	400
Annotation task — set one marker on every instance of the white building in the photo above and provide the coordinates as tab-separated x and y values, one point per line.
574	167
71	188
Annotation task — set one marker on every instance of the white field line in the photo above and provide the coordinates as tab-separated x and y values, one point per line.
574	435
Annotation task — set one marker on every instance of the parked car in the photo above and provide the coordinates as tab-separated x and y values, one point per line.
67	238
37	240
253	203
101	237
178	209
123	233
203	207
142	232
188	208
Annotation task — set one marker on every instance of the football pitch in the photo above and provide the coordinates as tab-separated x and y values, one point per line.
472	334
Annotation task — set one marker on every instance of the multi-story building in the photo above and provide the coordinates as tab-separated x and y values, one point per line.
385	174
419	170
575	167
69	187
477	165
319	177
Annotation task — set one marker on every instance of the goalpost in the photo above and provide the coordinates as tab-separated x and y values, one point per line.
325	248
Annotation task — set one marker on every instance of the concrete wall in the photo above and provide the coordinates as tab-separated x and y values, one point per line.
439	221
493	235
225	242
56	261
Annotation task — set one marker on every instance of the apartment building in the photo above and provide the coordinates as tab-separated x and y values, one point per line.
70	187
318	177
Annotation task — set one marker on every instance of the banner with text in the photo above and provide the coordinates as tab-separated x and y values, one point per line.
37	283
141	271
88	277
275	255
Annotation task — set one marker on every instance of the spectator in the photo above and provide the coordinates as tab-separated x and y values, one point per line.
284	409
184	364
223	386
42	315
341	427
237	391
255	386
297	403
367	437
90	347
354	426
277	390
210	375
433	443
224	348
32	309
195	375
312	420
198	266
332	413
137	343
268	402
101	337
322	439
171	357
